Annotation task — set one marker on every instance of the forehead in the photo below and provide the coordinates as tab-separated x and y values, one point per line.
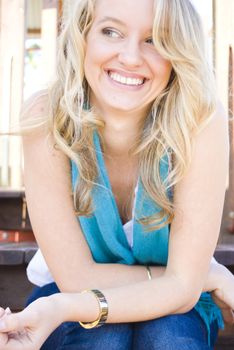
130	12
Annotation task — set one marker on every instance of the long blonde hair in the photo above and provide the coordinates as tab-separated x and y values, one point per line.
178	113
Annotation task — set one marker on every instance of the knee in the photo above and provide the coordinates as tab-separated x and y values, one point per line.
170	333
110	336
157	334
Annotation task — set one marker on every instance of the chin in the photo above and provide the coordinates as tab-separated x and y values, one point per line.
125	106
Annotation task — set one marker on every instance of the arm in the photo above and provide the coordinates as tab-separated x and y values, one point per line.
48	190
198	197
194	233
193	238
54	223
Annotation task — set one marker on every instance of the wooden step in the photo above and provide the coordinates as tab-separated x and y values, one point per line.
224	254
226	339
17	253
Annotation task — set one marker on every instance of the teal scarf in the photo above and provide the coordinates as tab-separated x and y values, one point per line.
107	240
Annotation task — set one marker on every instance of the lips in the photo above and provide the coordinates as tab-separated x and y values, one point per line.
126	79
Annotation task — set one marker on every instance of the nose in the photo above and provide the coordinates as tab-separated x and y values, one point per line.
130	54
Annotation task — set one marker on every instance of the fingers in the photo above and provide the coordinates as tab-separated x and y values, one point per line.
11	323
7	311
3	340
2	312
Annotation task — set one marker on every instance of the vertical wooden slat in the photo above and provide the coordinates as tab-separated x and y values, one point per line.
231	124
49	32
11	86
224	39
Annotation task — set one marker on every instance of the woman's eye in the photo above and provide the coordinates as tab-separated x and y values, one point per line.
149	41
111	33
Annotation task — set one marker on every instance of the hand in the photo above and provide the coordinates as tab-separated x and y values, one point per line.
227	312
223	294
28	329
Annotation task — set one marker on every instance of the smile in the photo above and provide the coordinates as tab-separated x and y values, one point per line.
126	80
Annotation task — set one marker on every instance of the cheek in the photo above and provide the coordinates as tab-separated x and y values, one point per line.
161	68
96	59
165	67
97	52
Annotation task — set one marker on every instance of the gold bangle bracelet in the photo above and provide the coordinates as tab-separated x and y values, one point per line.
103	310
149	272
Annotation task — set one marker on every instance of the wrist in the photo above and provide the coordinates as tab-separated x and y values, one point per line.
75	307
215	277
60	304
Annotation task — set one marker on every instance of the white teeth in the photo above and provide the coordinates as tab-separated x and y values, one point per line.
122	80
126	81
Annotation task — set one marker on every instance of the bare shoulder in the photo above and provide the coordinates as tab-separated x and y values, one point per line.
215	133
36	107
35	125
40	149
218	119
211	149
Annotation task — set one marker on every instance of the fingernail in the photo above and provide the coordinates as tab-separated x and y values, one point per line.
8	311
2	325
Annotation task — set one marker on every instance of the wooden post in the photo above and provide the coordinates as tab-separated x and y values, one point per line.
49	32
12	32
231	124
224	34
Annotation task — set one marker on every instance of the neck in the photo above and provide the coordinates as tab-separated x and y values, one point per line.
121	131
119	139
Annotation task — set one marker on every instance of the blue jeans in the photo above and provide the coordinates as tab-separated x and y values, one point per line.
174	332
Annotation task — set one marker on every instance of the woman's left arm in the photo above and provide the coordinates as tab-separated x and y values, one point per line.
194	233
199	199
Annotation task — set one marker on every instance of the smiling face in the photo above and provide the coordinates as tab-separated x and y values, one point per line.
122	67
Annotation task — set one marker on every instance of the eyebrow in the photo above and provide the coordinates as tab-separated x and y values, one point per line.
112	19
116	20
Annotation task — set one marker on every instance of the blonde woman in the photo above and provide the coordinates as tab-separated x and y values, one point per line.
126	159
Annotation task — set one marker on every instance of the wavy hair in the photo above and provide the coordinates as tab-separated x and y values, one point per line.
177	114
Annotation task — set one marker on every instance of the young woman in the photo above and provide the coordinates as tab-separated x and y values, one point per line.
126	161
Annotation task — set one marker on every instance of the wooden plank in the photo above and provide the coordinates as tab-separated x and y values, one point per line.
11	193
224	254
17	253
9	257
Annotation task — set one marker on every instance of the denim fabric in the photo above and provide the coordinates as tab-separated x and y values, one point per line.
174	332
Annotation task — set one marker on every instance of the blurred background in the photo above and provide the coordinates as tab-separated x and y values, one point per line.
28	31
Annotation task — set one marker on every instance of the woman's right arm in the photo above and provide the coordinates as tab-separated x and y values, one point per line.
47	178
